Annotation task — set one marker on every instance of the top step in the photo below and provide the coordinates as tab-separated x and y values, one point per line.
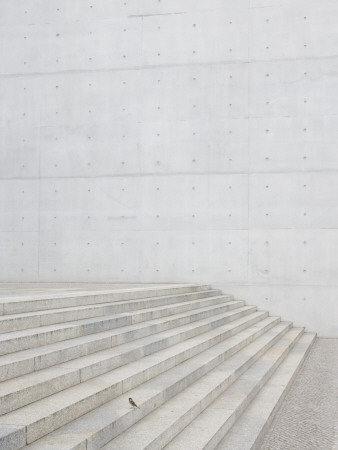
14	305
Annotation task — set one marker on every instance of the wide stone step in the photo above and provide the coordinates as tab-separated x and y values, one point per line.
21	321
206	431
27	361
41	303
29	388
206	370
24	339
103	423
249	430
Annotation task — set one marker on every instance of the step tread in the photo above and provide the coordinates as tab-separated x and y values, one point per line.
249	429
83	339
207	429
54	353
94	320
47	381
78	294
14	305
46	335
47	312
152	391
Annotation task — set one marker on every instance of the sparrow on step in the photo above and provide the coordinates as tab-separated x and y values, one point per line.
131	401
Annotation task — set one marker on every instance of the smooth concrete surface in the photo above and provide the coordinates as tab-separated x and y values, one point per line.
173	141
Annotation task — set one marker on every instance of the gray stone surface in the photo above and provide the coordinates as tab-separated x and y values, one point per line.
14	290
308	417
49	299
35	337
12	437
248	431
106	422
214	411
16	322
175	352
39	358
26	389
53	397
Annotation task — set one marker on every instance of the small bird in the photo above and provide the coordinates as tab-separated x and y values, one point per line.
131	401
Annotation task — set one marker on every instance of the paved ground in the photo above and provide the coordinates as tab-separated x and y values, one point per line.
308	418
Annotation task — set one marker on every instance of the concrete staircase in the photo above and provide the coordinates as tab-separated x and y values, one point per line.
207	371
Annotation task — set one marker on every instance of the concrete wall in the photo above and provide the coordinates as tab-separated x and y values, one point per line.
173	140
